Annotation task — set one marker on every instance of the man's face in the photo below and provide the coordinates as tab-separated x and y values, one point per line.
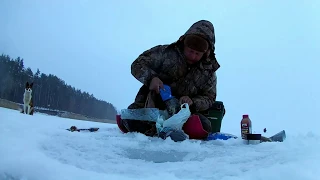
192	56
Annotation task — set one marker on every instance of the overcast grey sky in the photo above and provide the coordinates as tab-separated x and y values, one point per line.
268	50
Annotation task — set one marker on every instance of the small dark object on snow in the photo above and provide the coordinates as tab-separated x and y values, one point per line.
253	138
175	135
279	137
265	130
74	128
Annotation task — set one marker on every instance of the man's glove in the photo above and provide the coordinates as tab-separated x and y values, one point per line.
186	99
155	85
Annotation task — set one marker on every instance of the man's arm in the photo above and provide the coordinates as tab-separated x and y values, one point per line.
146	66
205	100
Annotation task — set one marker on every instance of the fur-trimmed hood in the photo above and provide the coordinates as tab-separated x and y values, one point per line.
205	29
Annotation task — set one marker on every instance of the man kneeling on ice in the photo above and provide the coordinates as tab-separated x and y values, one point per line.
188	66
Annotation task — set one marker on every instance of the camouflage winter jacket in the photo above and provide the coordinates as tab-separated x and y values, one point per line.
167	62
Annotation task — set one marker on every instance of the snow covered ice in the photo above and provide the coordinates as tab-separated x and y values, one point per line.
39	148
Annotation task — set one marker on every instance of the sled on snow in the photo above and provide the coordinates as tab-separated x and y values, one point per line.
194	129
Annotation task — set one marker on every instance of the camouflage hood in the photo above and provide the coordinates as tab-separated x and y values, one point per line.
204	29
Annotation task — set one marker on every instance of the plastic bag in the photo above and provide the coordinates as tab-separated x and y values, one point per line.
176	121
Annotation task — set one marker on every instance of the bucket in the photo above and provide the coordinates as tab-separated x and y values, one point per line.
215	115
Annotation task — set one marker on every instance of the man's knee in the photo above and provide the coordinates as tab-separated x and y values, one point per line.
206	124
136	105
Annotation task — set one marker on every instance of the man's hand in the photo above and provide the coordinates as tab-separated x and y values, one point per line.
186	99
156	84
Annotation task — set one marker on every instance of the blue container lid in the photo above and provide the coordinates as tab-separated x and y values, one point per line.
165	93
221	136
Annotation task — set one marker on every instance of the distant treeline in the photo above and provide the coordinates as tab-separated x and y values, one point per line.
49	91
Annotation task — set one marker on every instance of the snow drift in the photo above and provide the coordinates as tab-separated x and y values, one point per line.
39	147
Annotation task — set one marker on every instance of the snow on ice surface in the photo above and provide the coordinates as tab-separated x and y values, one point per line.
39	148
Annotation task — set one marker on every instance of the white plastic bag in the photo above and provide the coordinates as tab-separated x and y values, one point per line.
176	121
